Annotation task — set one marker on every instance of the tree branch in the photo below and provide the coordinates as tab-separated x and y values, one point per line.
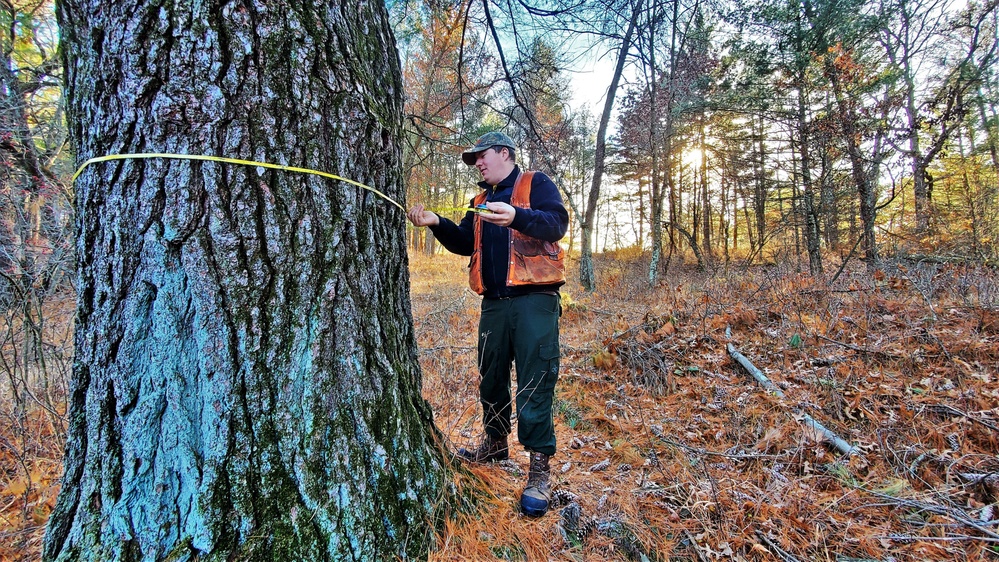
837	442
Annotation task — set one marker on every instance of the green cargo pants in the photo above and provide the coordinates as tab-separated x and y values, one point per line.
521	330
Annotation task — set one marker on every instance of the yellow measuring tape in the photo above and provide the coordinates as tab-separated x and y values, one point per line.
254	163
459	210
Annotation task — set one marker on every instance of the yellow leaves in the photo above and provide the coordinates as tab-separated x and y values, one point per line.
27	498
895	487
965	366
771	441
15	488
643	337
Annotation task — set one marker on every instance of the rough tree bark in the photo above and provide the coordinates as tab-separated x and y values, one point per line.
246	384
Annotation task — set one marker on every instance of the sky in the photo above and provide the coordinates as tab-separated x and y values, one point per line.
589	84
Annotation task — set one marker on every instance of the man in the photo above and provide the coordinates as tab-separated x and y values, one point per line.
518	267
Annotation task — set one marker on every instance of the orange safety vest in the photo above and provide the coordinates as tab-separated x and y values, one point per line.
532	261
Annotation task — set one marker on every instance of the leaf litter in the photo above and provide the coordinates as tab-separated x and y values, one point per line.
669	450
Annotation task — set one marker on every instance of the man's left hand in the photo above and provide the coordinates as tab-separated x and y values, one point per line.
502	214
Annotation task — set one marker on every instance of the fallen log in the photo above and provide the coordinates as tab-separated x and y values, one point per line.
839	443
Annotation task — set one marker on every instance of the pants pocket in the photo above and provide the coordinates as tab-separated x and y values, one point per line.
549	355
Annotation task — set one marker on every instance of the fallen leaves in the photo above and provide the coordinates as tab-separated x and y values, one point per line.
30	455
667	450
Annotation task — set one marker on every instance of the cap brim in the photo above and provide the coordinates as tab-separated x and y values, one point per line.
470	157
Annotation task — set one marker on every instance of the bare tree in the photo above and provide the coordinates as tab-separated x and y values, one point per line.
587	278
915	35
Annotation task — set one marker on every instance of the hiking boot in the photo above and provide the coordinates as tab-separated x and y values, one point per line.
537	496
491	449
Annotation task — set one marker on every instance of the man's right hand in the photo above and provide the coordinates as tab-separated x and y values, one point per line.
422	217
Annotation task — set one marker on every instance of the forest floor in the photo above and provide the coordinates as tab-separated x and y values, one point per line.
669	450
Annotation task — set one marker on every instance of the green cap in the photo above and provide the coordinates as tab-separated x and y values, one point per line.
486	141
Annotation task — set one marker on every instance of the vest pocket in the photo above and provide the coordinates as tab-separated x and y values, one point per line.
537	261
475	272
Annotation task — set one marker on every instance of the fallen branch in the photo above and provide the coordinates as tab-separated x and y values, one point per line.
837	442
949	538
954	260
861	349
734	456
954	514
945	409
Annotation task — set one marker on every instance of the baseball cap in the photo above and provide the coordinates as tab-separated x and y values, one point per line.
486	141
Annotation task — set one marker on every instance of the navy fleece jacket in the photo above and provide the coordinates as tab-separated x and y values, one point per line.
546	220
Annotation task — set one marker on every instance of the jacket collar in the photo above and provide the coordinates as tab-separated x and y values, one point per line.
506	183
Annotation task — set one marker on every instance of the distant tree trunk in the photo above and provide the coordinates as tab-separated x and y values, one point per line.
24	178
920	189
705	198
587	277
429	242
990	127
760	191
862	179
656	202
694	246
828	206
812	235
727	219
246	385
665	132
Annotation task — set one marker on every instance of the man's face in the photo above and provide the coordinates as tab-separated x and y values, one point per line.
493	164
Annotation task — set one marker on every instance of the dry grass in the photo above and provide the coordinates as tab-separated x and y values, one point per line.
669	451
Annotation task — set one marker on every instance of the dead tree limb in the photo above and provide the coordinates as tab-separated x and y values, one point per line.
956	514
861	349
836	441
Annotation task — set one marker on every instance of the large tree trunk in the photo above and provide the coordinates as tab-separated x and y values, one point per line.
246	384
